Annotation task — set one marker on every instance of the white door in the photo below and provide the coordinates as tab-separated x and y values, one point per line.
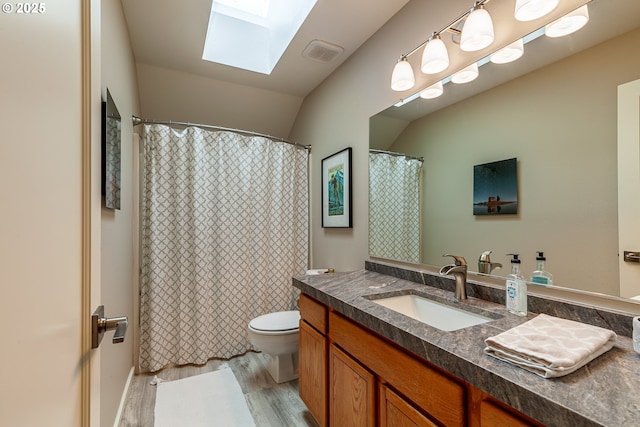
629	185
46	264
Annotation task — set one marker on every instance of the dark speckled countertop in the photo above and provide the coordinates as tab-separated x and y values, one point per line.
605	392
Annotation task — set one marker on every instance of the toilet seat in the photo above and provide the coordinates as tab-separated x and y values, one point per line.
281	322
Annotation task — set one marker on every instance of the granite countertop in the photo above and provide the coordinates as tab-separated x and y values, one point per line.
602	393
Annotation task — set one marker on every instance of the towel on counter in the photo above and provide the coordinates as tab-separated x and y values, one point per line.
550	346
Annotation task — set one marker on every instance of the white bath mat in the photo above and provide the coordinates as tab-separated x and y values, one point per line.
211	399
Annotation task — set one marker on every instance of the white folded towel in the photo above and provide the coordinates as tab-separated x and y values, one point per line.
550	346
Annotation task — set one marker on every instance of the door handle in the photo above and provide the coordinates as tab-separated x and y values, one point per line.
631	256
101	324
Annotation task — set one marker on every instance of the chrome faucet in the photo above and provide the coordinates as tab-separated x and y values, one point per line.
485	265
459	271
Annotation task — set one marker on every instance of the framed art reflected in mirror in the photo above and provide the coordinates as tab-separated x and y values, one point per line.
495	188
111	154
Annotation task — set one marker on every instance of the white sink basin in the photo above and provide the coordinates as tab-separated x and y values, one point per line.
441	316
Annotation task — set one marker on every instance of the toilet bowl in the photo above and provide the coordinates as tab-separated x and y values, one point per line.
277	335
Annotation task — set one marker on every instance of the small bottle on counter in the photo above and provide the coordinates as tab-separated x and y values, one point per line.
516	289
540	276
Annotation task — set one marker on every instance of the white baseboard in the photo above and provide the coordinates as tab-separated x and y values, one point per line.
123	399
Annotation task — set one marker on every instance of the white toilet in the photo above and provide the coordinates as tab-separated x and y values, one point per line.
277	335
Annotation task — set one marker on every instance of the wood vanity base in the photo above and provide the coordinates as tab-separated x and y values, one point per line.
351	376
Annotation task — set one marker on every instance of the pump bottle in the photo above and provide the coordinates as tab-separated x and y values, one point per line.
540	276
516	289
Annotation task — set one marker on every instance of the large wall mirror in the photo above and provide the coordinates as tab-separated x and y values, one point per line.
555	111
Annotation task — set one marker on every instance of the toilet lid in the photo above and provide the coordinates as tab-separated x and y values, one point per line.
279	321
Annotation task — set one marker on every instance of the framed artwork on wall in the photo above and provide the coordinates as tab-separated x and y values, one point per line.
336	190
495	188
111	153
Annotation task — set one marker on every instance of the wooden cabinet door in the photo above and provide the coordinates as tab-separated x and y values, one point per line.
437	394
397	412
352	390
312	370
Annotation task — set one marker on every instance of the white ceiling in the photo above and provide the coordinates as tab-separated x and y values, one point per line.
170	34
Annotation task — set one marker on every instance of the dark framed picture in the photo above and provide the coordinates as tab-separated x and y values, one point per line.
336	190
495	188
111	153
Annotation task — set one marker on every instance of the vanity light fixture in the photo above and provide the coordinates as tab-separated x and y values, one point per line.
477	32
419	94
435	57
570	23
509	53
432	91
528	10
466	75
402	77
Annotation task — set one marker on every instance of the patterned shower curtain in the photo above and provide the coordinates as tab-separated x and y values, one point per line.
224	227
394	207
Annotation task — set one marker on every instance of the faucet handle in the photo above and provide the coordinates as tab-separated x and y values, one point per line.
485	256
459	260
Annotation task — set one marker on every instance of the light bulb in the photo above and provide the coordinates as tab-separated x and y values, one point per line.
466	75
432	91
570	23
528	10
402	77
435	57
509	53
477	32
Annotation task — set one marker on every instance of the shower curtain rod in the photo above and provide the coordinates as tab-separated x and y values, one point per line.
138	121
393	153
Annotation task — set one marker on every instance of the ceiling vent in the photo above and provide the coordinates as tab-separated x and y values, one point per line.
322	51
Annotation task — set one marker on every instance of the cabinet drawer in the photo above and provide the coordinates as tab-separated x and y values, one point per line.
439	395
486	411
492	415
314	312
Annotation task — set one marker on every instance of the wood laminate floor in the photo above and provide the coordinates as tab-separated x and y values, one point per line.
271	404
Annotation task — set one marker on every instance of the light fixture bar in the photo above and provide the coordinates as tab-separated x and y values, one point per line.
449	26
526	39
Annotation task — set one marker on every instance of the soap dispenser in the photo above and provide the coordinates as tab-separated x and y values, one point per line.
540	276
516	289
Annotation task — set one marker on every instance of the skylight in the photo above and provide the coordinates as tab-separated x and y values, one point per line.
253	34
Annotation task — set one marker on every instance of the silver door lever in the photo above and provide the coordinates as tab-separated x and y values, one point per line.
630	256
101	324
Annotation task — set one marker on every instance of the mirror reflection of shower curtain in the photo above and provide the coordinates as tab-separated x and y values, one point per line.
394	206
224	227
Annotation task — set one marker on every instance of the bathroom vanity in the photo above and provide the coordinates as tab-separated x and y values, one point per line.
362	363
